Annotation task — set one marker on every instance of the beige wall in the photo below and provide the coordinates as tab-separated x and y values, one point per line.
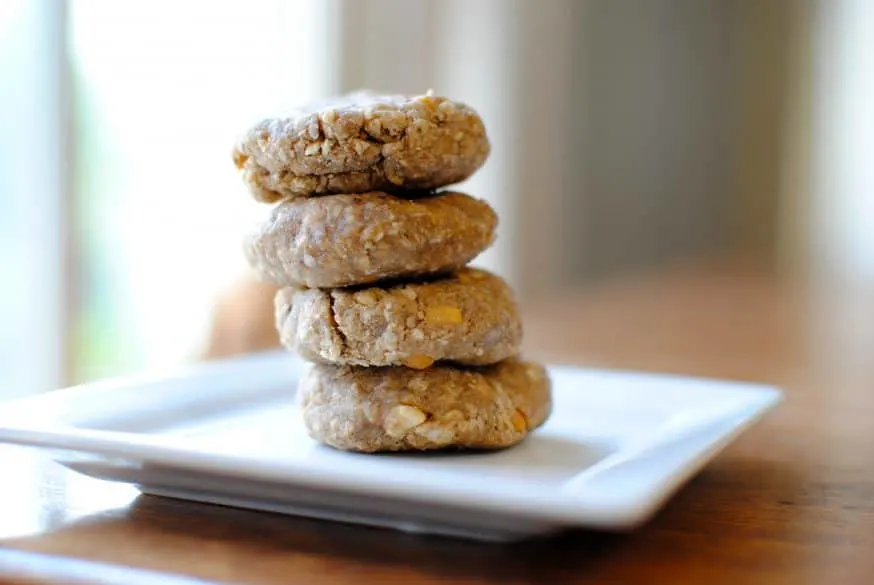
656	86
684	131
764	31
626	132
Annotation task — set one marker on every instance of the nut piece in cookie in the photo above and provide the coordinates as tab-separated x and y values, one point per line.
467	317
399	409
363	141
343	240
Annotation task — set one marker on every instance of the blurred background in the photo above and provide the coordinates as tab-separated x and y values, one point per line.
627	135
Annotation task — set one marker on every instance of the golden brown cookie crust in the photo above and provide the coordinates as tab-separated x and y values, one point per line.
399	409
343	240
360	142
469	317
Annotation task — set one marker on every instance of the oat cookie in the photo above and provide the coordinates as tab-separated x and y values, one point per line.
363	141
468	317
399	409
342	240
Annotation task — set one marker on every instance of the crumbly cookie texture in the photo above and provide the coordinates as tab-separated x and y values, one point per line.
468	317
363	141
342	240
400	409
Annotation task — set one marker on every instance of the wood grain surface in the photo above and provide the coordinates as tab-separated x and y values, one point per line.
791	501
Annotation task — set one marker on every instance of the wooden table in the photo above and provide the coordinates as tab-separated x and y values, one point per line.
792	501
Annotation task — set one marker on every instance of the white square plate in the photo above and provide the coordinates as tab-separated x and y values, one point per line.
616	448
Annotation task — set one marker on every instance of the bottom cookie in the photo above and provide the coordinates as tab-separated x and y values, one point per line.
400	409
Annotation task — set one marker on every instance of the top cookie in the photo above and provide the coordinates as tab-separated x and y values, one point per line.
363	142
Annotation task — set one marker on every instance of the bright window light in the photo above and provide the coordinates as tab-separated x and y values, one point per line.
162	89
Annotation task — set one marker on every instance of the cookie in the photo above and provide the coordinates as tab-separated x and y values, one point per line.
342	240
399	409
469	317
363	142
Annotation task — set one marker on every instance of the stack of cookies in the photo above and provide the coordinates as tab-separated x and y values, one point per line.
412	349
